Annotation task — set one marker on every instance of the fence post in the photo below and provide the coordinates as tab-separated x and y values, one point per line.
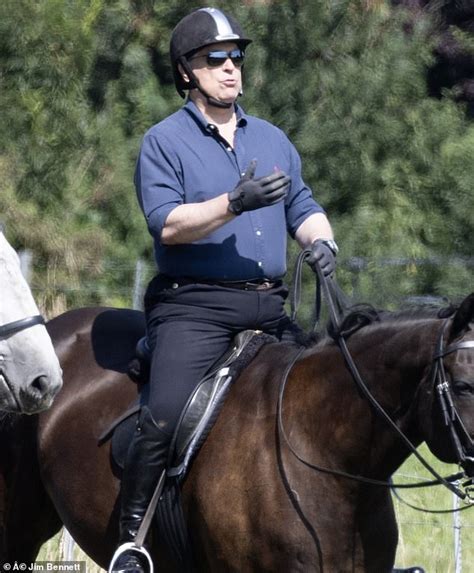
138	290
26	259
68	544
457	535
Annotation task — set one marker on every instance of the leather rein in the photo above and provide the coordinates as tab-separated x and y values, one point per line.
11	328
451	417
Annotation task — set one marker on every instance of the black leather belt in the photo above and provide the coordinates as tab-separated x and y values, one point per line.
264	284
257	284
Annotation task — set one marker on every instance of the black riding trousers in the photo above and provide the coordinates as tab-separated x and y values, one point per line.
190	326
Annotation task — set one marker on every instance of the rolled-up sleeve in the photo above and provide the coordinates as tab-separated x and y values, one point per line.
300	203
158	182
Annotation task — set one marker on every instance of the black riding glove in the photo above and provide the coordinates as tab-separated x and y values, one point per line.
251	194
323	254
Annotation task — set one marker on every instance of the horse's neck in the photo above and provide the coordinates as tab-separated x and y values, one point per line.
392	360
401	363
395	351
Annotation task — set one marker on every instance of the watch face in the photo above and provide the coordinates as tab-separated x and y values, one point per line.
332	245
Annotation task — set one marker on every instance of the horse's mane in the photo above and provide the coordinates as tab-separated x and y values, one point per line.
362	315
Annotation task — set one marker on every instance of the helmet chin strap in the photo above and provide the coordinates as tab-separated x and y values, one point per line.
212	100
194	83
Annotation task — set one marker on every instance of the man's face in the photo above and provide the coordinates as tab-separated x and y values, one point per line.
222	81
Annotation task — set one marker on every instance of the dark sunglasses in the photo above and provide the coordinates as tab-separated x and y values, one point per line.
218	57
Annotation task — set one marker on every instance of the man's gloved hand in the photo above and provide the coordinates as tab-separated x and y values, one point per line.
251	194
323	253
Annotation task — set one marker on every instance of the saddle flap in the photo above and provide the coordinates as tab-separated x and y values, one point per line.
200	405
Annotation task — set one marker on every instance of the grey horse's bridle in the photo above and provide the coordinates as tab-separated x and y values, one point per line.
10	328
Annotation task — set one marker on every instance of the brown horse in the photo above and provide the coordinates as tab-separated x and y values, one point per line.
250	504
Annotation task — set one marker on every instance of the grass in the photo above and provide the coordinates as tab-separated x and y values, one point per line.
428	539
425	539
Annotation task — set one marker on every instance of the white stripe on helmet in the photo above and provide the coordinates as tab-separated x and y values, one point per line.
224	29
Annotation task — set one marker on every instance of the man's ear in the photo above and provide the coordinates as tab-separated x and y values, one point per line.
184	75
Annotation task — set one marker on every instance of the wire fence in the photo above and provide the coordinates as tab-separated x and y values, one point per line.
388	283
440	542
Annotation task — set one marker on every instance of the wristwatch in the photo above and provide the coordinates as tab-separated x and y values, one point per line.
331	243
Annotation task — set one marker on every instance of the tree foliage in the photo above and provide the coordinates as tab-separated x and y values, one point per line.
82	80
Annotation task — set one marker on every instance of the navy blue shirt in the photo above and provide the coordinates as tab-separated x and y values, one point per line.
184	160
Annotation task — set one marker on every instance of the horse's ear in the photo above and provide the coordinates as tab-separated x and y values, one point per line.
464	315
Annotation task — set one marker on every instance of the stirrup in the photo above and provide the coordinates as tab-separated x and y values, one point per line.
130	546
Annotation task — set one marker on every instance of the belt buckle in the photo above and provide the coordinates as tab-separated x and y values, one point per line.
265	285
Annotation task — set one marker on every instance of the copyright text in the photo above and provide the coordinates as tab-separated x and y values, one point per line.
60	566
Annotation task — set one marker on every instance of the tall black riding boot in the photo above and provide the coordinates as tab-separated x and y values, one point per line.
145	462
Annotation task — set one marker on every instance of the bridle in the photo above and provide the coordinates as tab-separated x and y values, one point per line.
462	441
11	328
451	416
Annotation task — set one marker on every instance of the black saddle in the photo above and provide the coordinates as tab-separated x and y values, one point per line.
201	410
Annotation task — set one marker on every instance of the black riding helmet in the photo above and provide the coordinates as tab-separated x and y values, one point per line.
201	28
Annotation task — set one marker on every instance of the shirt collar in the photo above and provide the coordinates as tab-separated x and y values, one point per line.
191	108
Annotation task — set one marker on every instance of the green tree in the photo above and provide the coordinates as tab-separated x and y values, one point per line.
388	162
82	81
66	162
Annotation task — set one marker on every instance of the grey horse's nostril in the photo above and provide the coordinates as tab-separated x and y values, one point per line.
35	396
39	385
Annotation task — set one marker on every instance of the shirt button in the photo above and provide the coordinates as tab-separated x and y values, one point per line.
260	263
258	233
175	285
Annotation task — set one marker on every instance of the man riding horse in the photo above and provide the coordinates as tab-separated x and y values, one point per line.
219	189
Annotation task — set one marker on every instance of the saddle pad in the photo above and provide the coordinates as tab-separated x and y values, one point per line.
172	527
121	431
